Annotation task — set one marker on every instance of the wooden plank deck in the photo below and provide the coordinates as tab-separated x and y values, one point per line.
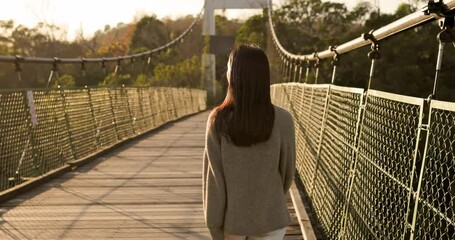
149	188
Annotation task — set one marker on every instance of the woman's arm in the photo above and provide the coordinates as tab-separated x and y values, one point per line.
287	153
214	188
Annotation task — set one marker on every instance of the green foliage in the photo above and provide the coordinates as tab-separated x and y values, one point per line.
142	80
305	26
43	40
226	27
408	59
253	31
150	33
116	80
183	74
65	80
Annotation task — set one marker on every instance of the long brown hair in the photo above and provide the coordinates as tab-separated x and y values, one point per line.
246	115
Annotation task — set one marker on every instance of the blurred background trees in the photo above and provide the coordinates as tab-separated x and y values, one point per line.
302	26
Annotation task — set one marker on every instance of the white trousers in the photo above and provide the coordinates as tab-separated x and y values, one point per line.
274	235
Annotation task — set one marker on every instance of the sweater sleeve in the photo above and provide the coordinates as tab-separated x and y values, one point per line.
287	154
214	188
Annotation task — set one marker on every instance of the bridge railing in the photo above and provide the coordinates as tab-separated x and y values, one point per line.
375	165
370	167
42	130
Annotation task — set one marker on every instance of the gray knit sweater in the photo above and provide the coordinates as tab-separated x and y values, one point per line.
244	188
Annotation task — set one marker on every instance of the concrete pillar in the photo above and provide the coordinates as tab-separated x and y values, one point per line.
209	61
208	29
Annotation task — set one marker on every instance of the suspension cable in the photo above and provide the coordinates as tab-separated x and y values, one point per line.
409	22
103	60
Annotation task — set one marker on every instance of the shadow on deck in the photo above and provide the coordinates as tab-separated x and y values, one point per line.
149	188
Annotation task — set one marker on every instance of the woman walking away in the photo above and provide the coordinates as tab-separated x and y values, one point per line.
249	156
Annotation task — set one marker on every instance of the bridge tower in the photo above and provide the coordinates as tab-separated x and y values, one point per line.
208	30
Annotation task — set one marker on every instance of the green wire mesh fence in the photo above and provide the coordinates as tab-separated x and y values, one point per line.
366	165
434	215
41	130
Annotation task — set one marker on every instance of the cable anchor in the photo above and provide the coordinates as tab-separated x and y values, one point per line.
103	65
308	66
316	56
447	35
336	57
117	67
83	66
374	54
316	66
300	66
438	8
334	62
18	68
54	70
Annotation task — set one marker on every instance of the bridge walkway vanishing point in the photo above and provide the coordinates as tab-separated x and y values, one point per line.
148	188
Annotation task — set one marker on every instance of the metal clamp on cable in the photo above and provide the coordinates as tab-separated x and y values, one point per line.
316	64
83	66
447	35
103	65
17	62
55	64
335	62
144	57
336	57
117	67
438	8
307	71
18	68
55	68
300	66
54	71
149	59
374	54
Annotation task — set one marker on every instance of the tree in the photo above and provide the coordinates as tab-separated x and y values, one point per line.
142	80
184	74
408	60
149	33
193	43
65	80
306	26
253	30
116	80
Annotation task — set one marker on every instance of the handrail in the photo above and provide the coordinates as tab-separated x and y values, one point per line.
21	59
411	21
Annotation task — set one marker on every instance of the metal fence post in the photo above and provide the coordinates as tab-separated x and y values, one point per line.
153	111
95	123
68	124
32	121
321	134
352	167
132	119
141	109
174	108
114	118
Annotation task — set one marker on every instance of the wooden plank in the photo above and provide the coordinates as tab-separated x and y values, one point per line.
149	188
303	219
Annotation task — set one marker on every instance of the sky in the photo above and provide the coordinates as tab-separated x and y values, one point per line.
92	15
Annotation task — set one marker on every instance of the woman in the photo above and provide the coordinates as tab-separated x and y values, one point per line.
249	156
